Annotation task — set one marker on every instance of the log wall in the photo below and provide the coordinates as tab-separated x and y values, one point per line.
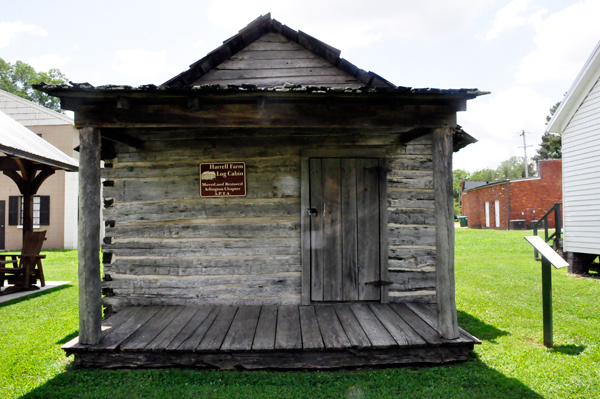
165	244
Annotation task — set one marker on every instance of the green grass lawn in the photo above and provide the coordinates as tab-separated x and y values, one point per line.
499	301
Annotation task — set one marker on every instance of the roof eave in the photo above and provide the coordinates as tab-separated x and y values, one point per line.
107	91
494	183
38	159
587	77
461	139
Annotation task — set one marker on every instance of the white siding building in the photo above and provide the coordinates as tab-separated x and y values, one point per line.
578	121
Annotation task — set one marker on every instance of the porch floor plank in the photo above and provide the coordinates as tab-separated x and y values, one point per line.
114	338
311	334
428	314
241	332
167	335
288	334
146	333
216	333
264	338
333	333
107	326
352	327
425	330
192	334
261	337
378	335
396	326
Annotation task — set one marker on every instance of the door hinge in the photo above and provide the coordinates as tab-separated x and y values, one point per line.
379	283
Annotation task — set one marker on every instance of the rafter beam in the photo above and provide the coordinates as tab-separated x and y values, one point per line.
41	177
8	163
119	136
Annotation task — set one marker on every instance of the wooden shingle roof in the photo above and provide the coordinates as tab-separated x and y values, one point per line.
268	54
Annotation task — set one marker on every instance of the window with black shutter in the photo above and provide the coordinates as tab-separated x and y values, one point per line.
13	210
44	210
41	210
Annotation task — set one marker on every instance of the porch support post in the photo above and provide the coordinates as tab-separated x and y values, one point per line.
27	211
90	300
444	205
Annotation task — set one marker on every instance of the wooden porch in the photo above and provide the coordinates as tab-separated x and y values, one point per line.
272	337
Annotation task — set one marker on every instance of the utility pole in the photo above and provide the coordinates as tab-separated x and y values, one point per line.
525	153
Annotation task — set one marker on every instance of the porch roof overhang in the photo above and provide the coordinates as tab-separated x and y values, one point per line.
404	110
82	93
16	141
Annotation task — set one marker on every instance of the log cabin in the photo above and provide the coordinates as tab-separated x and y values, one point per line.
273	206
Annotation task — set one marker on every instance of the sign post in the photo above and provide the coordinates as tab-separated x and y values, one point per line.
549	257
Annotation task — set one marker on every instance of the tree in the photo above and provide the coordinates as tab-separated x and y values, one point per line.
552	111
486	174
514	168
18	78
458	176
551	146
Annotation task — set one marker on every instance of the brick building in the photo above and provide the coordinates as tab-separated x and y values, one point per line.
494	204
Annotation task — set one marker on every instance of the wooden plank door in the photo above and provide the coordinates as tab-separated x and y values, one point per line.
344	239
2	224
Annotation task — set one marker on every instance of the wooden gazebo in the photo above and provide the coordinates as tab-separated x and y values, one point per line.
28	160
272	206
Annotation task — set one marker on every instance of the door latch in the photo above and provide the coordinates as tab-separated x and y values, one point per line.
311	211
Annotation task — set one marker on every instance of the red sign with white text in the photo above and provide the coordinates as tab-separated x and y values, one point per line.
223	179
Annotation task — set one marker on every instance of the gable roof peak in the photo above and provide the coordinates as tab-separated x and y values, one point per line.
581	87
256	30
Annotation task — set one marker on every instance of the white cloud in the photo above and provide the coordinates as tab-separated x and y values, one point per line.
140	62
509	17
496	121
9	30
344	24
563	41
49	61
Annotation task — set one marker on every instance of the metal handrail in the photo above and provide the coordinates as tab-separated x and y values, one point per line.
556	236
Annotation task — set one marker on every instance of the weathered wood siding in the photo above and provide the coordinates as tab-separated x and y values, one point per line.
166	245
581	174
411	222
274	60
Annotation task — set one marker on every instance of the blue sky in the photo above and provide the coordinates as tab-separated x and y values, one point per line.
526	52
